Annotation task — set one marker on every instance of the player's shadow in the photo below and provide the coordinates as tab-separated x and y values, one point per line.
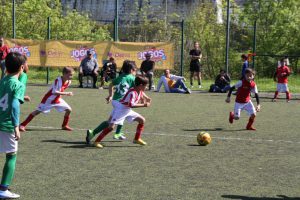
279	197
212	129
41	129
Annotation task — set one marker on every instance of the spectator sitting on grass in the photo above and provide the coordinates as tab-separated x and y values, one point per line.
222	83
172	83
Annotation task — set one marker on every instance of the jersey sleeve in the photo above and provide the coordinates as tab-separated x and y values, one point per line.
19	92
56	86
238	84
254	89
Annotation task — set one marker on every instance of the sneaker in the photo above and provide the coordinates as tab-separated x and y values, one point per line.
22	128
139	141
88	137
66	128
98	145
119	136
231	117
192	86
200	86
101	88
188	91
8	194
251	128
273	100
288	101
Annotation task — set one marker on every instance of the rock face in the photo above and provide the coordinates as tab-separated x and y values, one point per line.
104	10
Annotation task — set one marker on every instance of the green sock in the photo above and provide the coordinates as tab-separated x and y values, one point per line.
9	169
102	126
119	129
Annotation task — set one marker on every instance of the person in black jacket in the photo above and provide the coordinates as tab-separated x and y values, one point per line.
222	83
147	68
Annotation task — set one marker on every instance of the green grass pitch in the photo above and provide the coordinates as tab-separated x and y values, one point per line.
238	164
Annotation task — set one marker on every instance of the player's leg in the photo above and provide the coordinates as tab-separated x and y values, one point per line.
103	134
118	134
191	78
28	119
9	146
91	133
236	114
249	107
276	92
65	124
287	93
198	75
139	129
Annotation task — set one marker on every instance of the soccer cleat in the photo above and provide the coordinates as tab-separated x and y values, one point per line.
251	128
192	86
288	101
67	128
139	141
8	195
231	117
119	136
88	137
98	145
22	128
188	91
273	100
200	86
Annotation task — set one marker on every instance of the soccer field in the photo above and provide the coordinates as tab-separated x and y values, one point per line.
238	164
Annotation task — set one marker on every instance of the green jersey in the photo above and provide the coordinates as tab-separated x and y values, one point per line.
10	88
23	79
122	84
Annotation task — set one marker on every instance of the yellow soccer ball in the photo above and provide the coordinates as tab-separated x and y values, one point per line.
203	139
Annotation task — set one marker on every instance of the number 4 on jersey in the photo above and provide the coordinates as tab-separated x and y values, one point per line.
4	102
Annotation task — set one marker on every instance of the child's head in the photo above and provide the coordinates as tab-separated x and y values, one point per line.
14	62
129	67
249	74
141	82
244	57
196	45
282	62
68	73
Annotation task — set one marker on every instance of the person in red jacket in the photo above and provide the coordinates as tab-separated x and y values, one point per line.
281	77
4	50
243	99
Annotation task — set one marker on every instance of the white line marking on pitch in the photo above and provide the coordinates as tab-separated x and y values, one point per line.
191	136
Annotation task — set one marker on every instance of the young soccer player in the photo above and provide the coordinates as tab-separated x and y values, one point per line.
243	99
281	76
134	98
11	95
122	84
52	99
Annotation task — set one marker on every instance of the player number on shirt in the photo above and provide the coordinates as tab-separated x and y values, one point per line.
122	88
4	102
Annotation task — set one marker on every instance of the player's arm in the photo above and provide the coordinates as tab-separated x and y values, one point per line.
257	100
132	104
146	98
15	115
229	94
63	93
110	93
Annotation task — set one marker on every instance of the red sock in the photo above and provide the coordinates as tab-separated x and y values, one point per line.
139	130
276	95
103	134
288	95
27	120
66	121
250	122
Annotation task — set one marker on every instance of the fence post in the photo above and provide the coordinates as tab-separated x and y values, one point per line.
116	21
227	36
14	19
254	45
48	37
182	48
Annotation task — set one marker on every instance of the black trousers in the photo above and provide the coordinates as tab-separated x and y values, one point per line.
80	76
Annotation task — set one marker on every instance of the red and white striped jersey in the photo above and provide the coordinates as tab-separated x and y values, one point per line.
244	88
58	85
132	97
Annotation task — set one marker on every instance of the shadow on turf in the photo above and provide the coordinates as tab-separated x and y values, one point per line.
41	129
81	144
212	129
279	197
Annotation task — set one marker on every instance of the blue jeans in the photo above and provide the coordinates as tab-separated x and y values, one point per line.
3	68
179	87
218	89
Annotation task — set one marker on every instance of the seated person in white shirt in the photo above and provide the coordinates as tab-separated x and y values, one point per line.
172	83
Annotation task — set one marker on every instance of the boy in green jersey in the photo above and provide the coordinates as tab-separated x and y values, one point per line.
11	95
121	84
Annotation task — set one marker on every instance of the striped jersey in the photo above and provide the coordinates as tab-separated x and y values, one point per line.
58	85
131	98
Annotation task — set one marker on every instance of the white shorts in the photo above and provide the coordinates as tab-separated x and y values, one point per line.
121	113
60	107
8	144
249	107
282	87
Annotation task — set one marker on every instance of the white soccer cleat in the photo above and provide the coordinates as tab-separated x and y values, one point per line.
8	194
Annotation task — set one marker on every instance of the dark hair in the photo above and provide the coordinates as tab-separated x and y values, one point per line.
111	59
141	80
67	70
222	70
282	59
249	70
244	57
14	61
127	66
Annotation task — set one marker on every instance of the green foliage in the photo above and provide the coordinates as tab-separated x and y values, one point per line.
31	22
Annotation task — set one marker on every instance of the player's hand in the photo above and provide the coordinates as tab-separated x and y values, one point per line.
69	94
147	104
27	98
17	133
258	108
108	99
149	100
227	100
